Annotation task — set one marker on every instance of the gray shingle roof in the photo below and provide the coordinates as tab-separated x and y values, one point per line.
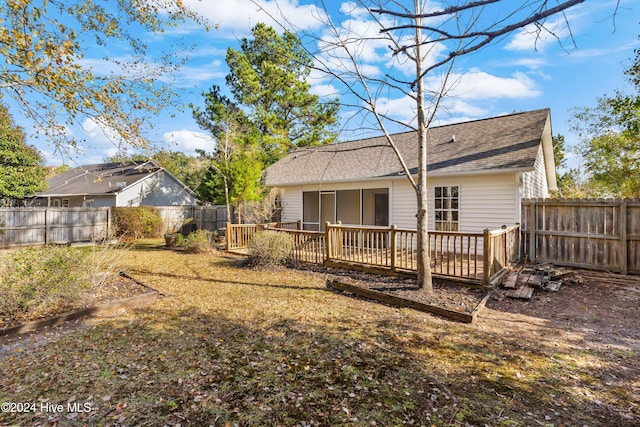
97	179
496	144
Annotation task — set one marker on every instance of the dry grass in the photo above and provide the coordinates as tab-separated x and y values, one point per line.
234	346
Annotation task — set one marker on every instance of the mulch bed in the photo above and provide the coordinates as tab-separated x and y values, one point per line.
450	296
117	287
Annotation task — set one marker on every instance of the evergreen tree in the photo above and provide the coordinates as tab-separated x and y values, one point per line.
611	140
268	79
22	173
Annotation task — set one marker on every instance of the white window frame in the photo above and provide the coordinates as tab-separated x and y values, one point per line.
446	208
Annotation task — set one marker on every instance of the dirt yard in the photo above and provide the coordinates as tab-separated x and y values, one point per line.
236	346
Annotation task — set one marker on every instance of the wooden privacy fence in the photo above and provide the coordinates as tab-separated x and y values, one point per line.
190	218
473	256
586	233
41	226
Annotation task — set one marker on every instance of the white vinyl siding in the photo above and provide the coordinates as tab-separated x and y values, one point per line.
155	190
534	183
292	204
403	204
486	201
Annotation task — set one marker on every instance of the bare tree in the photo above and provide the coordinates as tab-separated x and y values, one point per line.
430	37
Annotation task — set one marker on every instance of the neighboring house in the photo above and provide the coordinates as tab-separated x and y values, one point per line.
478	172
115	184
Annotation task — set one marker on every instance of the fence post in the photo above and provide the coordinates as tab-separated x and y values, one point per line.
532	230
327	231
624	255
505	251
46	226
228	239
486	257
392	237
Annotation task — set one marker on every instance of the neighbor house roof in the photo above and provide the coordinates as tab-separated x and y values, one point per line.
505	143
98	179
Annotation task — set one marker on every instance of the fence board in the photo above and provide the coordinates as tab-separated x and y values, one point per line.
588	233
40	226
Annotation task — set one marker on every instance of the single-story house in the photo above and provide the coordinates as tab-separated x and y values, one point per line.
478	172
115	184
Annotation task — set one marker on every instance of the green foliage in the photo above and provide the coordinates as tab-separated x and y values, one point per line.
43	281
568	180
137	222
610	135
268	78
43	48
271	114
198	242
269	248
22	172
234	168
188	169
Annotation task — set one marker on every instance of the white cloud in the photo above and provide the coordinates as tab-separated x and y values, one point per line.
192	76
477	84
98	133
533	37
241	15
187	141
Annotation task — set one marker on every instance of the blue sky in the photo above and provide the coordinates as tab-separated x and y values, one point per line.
512	75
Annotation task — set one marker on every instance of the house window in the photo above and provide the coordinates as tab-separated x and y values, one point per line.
65	203
446	210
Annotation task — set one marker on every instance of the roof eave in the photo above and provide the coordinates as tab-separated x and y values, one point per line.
401	175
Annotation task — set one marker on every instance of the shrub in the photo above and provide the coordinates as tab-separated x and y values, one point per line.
198	242
270	248
137	222
43	281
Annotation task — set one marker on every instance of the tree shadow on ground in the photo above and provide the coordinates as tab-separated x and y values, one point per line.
163	366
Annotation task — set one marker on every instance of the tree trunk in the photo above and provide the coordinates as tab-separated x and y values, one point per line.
423	261
226	199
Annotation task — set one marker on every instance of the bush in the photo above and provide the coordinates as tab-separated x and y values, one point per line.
198	242
270	248
43	281
137	222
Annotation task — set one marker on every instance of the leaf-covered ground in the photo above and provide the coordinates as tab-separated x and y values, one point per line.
234	346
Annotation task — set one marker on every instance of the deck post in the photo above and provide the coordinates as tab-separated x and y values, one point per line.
299	224
392	238
486	257
327	231
228	239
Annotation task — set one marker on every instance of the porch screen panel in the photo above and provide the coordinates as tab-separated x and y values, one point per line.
311	210
348	206
372	212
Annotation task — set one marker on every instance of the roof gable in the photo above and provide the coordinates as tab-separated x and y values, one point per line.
504	143
98	179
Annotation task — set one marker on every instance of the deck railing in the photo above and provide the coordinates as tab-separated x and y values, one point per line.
473	256
503	249
240	235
